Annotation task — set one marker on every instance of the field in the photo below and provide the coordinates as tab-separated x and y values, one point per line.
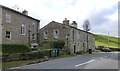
102	40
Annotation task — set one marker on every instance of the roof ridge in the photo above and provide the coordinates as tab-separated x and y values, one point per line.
18	12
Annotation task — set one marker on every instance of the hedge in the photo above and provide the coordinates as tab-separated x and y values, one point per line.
57	44
26	56
15	48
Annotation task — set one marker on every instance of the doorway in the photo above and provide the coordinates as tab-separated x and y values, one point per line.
74	48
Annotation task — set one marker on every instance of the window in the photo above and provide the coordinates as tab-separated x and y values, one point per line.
56	33
8	18
78	34
23	29
33	24
46	35
8	34
33	36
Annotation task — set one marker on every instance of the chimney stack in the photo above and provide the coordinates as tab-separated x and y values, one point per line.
74	24
25	12
66	22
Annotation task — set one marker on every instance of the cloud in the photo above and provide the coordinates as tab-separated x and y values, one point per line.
113	17
110	25
79	10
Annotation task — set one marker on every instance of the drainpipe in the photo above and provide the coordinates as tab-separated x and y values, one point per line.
29	37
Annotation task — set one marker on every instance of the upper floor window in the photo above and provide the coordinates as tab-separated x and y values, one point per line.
8	34
33	24
23	29
8	17
78	35
56	33
45	34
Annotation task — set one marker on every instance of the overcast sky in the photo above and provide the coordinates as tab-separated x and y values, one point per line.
102	14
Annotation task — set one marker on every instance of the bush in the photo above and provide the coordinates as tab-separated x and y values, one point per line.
35	55
26	56
80	52
115	49
15	48
32	55
57	44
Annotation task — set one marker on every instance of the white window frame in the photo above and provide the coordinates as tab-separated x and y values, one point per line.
7	35
23	29
8	17
45	35
56	35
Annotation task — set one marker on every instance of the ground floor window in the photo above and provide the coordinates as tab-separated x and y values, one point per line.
8	34
45	35
33	37
23	29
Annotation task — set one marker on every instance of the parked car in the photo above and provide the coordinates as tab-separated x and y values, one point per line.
99	47
106	49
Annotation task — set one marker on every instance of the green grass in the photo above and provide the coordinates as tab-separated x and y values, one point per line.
0	53
6	65
102	40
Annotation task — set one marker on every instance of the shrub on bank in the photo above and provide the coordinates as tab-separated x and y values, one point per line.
80	52
15	48
25	56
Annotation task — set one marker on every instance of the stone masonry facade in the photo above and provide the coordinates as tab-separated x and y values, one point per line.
17	27
74	38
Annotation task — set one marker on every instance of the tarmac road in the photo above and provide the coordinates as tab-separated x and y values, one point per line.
107	60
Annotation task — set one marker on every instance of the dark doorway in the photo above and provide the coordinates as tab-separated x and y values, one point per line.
74	48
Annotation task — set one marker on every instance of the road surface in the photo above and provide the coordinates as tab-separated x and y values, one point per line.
91	61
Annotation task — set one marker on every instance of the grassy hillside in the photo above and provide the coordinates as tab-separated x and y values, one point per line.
102	40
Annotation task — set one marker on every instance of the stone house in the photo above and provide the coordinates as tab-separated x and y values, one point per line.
74	38
17	27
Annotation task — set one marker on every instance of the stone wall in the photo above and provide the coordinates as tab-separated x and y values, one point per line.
76	38
0	24
63	31
15	28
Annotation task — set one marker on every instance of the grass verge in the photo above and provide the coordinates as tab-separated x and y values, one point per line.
6	65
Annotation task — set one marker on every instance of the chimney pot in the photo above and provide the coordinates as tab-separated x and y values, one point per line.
25	12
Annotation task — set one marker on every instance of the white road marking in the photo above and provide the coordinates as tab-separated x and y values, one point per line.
85	63
91	61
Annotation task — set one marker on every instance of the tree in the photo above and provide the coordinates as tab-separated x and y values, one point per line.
86	27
